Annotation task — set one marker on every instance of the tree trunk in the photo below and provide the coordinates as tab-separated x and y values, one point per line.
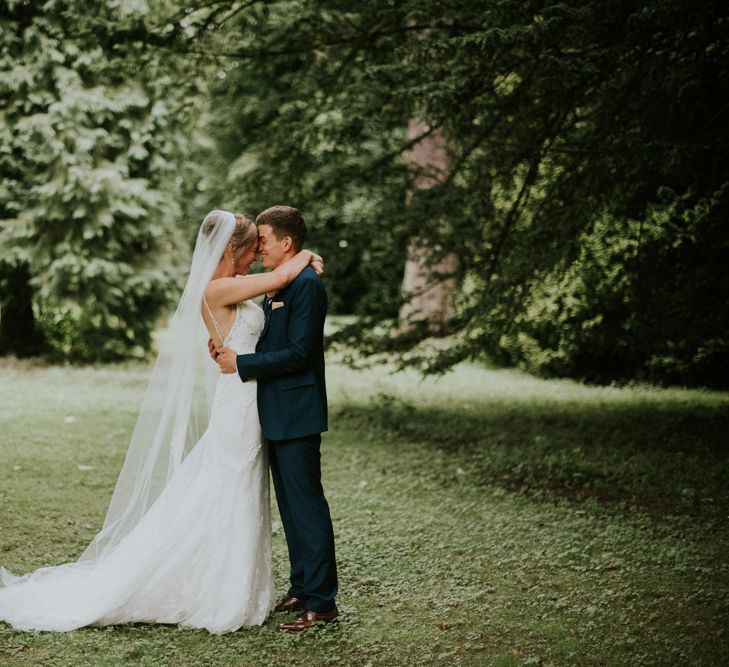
19	334
427	296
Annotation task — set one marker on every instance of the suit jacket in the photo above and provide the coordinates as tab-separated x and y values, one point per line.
289	361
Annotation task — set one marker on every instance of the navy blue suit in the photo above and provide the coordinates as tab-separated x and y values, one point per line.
292	405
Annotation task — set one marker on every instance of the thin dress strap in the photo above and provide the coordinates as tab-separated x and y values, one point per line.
216	324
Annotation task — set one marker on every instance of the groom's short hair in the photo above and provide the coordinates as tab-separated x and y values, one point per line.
285	221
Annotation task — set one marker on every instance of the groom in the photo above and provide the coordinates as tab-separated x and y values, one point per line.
292	405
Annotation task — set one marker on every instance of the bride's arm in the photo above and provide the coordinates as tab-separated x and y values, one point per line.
228	291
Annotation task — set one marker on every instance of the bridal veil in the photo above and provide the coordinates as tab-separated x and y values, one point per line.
175	408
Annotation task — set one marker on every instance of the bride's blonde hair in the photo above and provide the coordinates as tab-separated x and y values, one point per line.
244	234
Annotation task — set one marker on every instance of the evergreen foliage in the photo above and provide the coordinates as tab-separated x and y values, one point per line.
86	130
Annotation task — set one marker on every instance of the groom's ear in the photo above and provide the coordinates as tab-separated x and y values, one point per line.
288	243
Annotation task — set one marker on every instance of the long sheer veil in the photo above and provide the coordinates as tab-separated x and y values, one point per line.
174	413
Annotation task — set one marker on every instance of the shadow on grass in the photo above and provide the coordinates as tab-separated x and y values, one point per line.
663	456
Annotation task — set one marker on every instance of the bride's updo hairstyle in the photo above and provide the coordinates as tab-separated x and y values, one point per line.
244	234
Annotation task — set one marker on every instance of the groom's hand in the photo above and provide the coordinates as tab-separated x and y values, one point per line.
212	350
226	360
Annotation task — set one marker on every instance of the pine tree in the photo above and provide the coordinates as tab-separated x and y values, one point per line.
87	165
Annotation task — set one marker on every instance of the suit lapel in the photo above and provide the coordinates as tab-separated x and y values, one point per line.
267	317
267	310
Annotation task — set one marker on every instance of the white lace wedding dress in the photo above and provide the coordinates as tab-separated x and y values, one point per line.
200	557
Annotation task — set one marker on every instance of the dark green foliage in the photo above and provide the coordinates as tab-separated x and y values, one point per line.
568	124
642	300
85	207
585	195
292	126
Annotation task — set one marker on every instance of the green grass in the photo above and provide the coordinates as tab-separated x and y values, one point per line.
486	518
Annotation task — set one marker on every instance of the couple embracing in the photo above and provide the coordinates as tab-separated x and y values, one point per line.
187	536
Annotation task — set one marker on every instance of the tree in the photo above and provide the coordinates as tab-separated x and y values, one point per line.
428	284
561	118
586	154
87	209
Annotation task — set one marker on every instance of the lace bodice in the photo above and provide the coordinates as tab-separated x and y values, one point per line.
246	329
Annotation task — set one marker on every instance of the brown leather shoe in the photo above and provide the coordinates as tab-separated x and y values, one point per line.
289	603
309	618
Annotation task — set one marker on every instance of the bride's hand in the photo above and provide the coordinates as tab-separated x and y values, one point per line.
316	262
318	266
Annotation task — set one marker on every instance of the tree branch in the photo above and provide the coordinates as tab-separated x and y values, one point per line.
374	165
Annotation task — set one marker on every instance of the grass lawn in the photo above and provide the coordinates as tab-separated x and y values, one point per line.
485	518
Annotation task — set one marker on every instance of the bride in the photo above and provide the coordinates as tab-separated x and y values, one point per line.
187	537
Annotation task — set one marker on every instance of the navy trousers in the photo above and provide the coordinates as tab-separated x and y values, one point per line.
296	472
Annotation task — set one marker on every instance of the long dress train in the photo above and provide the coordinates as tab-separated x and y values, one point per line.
200	557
